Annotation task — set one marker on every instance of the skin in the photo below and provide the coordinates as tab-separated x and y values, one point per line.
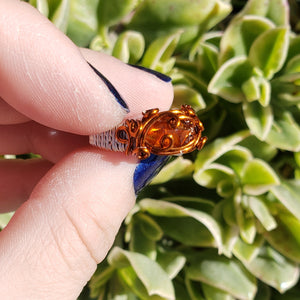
69	204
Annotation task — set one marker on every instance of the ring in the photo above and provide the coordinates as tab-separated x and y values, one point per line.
173	132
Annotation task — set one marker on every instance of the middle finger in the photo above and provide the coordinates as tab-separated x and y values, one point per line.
32	137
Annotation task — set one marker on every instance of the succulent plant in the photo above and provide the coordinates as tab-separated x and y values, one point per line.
222	223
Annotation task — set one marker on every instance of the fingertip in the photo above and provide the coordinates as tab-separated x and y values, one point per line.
46	78
76	211
141	89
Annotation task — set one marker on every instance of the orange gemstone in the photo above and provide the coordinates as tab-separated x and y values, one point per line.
164	133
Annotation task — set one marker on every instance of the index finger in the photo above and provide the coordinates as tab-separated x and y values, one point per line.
44	76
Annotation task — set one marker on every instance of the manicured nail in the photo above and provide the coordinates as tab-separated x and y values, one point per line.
161	76
147	169
112	89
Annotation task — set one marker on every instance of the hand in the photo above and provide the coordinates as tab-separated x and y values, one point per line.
69	204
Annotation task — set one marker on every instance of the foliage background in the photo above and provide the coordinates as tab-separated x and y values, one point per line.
222	223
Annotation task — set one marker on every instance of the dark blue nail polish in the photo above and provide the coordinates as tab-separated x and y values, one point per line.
161	76
147	169
111	88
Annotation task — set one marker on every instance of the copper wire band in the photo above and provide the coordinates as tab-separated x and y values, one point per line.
107	140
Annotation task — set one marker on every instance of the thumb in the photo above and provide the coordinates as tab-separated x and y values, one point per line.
52	245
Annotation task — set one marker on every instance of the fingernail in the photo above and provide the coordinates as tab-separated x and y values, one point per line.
147	169
112	89
161	76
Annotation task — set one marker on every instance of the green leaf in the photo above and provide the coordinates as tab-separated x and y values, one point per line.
188	95
219	11
273	269
158	55
214	174
235	158
279	12
167	209
225	274
286	89
154	279
212	293
262	212
144	234
258	148
247	228
194	290
247	252
224	213
117	290
112	11
258	118
206	61
157	18
269	51
100	279
288	193
216	149
285	132
140	243
130	286
227	82
149	227
255	7
200	86
294	47
83	21
4	219
197	203
60	17
245	221
251	89
129	47
226	188
179	167
258	177
240	35
171	261
231	233
276	10
228	212
293	65
187	231
265	92
285	237
257	88
41	5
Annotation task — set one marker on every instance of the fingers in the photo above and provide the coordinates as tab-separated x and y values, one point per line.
44	77
140	89
18	178
9	115
32	137
66	227
73	214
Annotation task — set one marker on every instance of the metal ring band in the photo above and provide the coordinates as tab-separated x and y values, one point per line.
107	140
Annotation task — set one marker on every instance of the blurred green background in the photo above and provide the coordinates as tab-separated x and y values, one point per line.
223	223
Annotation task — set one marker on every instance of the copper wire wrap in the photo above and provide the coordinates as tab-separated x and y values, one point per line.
173	132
